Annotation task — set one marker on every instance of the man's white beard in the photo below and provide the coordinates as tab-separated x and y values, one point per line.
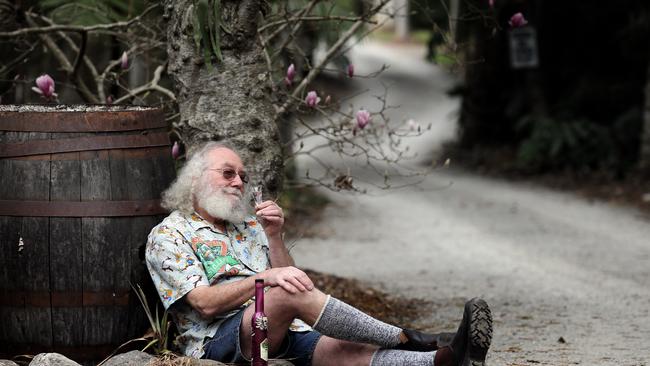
220	203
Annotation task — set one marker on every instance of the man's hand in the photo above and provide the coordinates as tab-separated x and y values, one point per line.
289	278
272	218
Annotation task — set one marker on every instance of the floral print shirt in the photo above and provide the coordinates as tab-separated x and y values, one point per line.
186	251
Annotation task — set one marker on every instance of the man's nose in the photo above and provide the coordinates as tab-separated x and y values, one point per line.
237	182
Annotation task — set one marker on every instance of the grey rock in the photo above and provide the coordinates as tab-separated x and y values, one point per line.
52	359
132	358
7	363
197	362
280	363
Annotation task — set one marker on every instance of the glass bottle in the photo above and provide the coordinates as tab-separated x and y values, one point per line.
260	344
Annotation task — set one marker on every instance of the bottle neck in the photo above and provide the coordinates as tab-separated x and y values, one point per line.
259	297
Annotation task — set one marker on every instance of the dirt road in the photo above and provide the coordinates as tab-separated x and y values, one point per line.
568	280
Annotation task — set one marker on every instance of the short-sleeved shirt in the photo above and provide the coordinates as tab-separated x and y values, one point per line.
186	251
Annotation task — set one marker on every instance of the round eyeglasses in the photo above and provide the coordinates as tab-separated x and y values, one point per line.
230	174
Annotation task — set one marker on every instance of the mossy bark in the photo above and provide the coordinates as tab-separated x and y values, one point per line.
230	102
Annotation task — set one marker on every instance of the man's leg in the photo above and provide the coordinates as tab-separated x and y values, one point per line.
335	319
334	352
326	314
281	307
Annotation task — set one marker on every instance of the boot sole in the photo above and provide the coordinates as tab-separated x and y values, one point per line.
480	332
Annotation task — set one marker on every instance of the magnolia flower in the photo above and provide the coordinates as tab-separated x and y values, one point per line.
363	118
312	99
350	70
45	86
491	3
291	73
413	126
517	20
124	61
176	150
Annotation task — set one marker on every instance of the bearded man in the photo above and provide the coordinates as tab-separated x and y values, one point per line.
204	259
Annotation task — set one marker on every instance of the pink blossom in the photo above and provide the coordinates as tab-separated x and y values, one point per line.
312	99
517	20
124	61
350	70
413	126
176	150
363	118
291	73
491	3
45	86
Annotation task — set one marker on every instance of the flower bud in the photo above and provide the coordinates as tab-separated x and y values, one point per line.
363	118
312	99
517	20
45	86
124	61
291	73
176	150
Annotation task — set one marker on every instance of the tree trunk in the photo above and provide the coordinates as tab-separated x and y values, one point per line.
231	102
644	158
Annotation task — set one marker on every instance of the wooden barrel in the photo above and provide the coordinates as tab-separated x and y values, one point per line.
79	192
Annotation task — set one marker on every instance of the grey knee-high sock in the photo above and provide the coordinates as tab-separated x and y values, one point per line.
391	357
341	321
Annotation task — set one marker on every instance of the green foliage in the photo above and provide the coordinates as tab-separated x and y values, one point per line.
207	25
90	12
572	143
158	338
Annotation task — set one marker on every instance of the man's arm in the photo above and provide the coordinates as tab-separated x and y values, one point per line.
278	252
272	219
217	299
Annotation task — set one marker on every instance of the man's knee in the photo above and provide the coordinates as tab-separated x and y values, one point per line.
279	296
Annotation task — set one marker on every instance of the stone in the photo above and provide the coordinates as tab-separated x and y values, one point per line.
280	363
132	358
52	359
7	363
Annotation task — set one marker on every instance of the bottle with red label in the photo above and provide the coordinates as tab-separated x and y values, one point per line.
260	345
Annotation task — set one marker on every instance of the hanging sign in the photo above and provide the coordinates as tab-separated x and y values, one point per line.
523	48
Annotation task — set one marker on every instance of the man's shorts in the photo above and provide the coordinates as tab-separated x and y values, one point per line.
297	347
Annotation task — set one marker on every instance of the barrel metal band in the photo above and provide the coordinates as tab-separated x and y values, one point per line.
96	121
80	208
40	147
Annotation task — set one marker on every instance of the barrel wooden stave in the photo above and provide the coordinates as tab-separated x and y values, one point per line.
82	255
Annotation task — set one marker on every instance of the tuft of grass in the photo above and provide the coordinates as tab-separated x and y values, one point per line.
157	337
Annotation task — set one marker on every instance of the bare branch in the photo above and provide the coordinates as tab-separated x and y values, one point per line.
65	63
302	12
311	19
74	28
89	64
330	54
150	86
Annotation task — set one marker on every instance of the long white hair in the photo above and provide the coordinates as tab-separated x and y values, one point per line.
179	196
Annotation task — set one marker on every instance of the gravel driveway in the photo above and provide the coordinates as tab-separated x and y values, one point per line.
568	280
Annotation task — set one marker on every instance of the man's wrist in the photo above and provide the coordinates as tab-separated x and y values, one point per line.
277	236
